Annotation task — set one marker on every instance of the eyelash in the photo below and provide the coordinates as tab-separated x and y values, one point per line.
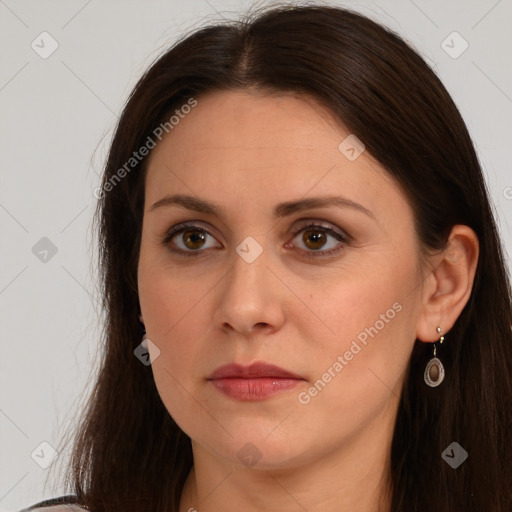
344	239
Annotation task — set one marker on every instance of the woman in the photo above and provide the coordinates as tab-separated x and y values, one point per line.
293	211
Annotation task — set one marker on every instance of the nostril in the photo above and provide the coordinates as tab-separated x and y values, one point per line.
264	326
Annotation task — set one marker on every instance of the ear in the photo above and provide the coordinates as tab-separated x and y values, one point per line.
448	287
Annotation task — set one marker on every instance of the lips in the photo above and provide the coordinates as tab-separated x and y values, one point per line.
254	371
257	381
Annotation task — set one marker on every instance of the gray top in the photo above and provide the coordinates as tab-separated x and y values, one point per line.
56	508
61	504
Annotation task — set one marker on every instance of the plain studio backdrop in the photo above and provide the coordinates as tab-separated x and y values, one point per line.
66	71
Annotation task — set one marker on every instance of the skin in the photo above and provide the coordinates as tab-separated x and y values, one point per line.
248	152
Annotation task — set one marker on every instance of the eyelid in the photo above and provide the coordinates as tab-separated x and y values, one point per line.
183	226
343	237
315	223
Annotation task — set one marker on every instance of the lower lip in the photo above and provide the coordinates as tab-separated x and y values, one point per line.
252	390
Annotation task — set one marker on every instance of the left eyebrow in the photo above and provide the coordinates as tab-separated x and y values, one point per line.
281	210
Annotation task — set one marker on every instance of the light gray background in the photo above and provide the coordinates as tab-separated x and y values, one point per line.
57	116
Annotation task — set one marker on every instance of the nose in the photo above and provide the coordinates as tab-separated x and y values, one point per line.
249	300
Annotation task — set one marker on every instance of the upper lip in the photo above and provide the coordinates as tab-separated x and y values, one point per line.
253	371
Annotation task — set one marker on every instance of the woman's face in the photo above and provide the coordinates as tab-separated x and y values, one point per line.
334	305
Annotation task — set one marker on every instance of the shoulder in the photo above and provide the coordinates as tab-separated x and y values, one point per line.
55	508
62	504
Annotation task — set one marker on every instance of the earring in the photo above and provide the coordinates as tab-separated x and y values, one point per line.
434	371
142	326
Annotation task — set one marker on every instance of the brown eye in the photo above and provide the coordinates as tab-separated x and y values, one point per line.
188	240
193	239
316	240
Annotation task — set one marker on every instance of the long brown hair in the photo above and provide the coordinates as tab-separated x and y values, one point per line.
129	455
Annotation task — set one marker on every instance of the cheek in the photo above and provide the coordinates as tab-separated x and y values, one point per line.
168	293
174	312
354	301
357	372
171	304
177	324
370	316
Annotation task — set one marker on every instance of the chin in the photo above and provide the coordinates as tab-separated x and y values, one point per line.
257	452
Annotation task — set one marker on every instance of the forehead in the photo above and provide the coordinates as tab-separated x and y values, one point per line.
237	145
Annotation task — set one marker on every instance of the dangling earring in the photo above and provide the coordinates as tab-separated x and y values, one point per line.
434	372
